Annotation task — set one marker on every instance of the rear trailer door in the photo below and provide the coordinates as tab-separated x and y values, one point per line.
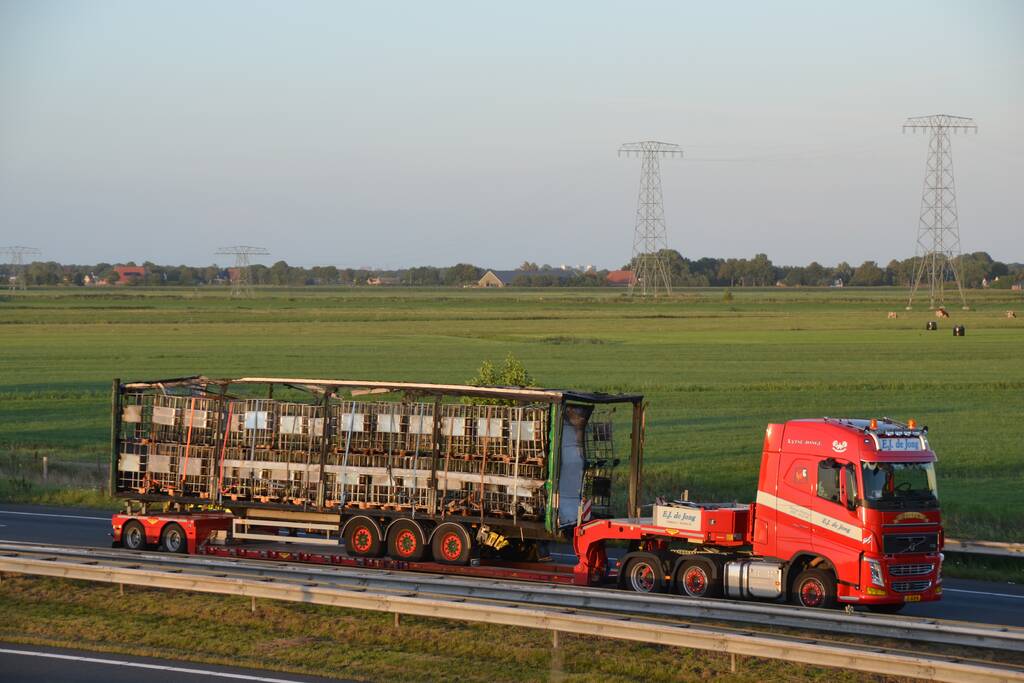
572	462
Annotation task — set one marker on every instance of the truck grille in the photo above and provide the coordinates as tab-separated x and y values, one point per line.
895	544
910	569
911	586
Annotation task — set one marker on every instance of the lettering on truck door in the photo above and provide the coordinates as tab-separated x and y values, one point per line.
837	531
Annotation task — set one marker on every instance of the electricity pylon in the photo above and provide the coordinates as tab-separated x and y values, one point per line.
650	237
938	228
241	283
16	259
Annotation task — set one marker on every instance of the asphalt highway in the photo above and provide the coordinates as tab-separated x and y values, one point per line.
32	664
963	600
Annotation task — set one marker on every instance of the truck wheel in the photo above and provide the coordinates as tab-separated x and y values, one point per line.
406	541
133	536
362	538
644	575
815	588
451	544
695	579
173	539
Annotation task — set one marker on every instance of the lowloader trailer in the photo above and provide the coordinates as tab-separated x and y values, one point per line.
478	480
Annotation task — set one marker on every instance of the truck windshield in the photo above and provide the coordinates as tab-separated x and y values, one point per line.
898	485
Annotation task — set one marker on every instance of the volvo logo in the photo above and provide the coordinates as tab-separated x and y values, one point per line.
913	542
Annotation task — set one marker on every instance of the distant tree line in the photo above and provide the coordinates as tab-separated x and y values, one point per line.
758	271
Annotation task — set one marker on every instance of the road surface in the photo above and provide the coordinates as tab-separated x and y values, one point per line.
963	600
35	664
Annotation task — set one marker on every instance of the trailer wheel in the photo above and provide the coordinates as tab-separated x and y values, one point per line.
451	544
696	580
644	575
362	537
815	588
173	539
133	536
406	541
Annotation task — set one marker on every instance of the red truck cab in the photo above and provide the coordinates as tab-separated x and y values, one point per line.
856	500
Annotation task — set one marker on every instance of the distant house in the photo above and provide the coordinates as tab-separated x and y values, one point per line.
382	280
621	277
506	278
127	275
498	278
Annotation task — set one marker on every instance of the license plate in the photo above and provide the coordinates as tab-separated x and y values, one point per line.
912	598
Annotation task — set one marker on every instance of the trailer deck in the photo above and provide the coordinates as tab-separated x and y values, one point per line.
539	572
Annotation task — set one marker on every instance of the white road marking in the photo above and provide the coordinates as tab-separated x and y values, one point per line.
139	665
997	595
51	514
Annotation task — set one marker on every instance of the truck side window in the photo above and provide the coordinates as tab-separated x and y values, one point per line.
799	476
828	481
851	487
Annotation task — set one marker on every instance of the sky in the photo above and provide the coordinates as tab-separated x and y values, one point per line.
409	133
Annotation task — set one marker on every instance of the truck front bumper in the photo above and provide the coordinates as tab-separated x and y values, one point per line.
892	580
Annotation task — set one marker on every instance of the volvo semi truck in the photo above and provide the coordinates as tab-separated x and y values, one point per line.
480	480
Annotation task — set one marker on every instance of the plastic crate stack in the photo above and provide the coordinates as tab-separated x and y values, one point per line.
491	460
167	444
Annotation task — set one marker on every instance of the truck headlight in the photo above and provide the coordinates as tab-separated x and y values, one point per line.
876	573
938	574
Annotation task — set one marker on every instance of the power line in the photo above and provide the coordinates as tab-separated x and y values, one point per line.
938	227
241	279
650	236
16	260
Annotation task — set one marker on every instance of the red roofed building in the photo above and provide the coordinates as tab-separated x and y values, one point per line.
621	277
129	274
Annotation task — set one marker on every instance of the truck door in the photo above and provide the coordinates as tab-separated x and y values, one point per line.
792	505
837	530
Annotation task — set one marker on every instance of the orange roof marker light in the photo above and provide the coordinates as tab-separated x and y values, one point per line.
912	424
874	424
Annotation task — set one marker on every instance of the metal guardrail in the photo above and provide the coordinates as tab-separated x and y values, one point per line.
802	650
993	548
602	599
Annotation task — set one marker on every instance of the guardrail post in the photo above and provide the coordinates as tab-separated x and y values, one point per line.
120	589
554	640
252	605
398	620
732	662
45	469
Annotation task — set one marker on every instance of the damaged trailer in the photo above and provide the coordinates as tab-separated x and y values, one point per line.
407	469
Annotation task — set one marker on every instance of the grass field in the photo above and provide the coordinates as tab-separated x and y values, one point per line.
715	371
327	641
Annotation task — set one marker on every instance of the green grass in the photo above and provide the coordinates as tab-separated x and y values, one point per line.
983	567
715	372
356	645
